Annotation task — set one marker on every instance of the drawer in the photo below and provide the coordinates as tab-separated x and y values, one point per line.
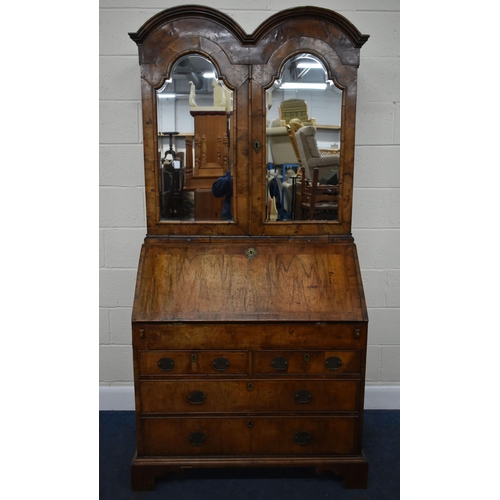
307	362
237	396
166	363
249	336
250	435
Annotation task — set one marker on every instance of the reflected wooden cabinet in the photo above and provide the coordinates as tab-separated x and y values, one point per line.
249	334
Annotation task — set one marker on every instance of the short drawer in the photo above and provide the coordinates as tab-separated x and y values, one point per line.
165	363
250	435
241	396
307	362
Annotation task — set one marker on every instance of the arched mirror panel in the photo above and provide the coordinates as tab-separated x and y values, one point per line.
194	110
303	136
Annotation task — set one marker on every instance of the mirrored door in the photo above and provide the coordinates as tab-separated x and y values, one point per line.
194	110
303	135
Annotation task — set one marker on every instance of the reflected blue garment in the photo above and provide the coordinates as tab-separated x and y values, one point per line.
223	186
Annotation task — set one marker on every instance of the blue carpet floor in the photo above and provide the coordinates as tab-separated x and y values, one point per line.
381	448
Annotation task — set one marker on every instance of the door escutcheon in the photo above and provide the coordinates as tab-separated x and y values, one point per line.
256	146
251	253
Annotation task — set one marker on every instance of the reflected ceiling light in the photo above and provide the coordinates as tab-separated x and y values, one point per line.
309	65
303	86
209	75
166	96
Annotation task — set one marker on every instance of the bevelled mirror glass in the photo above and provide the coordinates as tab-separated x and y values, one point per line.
194	114
303	143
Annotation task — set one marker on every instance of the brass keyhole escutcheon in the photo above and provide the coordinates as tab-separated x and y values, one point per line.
194	358
256	146
307	357
250	386
250	424
251	253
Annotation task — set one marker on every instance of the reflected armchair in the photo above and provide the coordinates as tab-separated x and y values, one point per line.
311	157
280	145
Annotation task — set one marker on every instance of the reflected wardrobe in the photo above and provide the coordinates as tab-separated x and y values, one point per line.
249	321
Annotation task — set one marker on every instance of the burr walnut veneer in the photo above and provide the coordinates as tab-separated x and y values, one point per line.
249	336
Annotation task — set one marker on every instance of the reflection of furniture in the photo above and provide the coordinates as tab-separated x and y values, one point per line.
249	337
170	149
281	147
284	158
172	189
211	147
295	108
311	156
206	205
318	201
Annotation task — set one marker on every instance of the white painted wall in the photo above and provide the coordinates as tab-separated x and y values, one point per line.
376	196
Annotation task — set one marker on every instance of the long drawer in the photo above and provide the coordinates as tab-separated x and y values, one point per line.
249	395
249	336
250	435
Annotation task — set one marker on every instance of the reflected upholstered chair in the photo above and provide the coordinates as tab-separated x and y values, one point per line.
280	145
311	157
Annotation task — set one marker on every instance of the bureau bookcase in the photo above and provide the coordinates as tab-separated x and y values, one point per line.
249	332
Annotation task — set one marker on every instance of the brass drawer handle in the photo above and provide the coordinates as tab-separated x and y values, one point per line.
196	397
166	364
333	363
302	438
279	363
303	397
197	438
220	364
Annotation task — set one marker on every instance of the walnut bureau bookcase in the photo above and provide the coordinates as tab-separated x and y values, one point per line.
250	328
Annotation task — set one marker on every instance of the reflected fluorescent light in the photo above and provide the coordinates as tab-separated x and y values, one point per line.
209	75
166	96
309	65
303	86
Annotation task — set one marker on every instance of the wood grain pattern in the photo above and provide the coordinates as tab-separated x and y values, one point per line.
247	292
248	65
215	282
266	436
